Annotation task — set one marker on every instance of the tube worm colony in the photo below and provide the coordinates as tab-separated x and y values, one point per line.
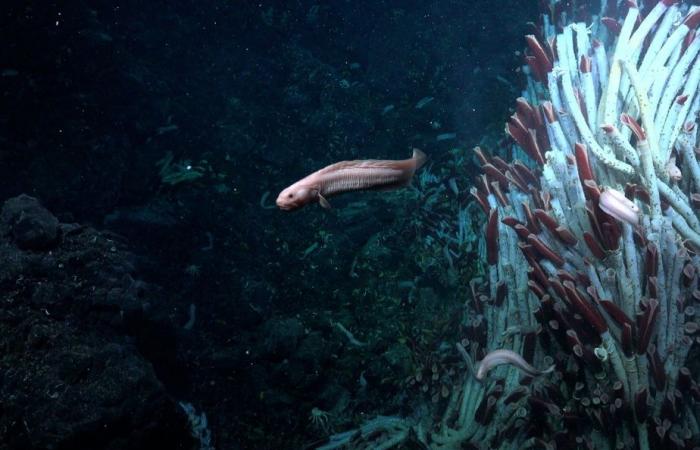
592	239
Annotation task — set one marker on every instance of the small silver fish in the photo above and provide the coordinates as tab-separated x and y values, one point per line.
498	357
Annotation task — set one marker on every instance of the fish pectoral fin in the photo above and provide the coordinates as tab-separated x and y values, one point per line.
323	202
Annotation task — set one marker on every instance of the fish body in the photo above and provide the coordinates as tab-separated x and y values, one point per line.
347	176
614	203
498	357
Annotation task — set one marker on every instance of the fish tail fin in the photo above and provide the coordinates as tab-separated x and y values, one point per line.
550	369
420	158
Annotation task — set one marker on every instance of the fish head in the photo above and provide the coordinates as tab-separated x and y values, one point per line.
296	196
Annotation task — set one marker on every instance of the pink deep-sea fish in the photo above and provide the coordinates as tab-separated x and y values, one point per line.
498	357
347	176
620	207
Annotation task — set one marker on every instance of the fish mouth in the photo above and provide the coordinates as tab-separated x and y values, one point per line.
285	206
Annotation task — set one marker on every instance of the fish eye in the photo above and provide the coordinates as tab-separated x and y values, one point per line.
290	195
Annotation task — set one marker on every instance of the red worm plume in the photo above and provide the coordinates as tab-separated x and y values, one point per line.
548	111
693	19
545	251
657	367
535	147
539	52
492	237
525	173
593	245
616	313
547	220
522	232
646	326
510	221
634	126
501	165
532	223
587	310
612	25
495	174
516	180
558	288
688	39
566	236
537	273
582	164
525	113
480	199
626	340
651	256
536	289
498	193
481	155
585	65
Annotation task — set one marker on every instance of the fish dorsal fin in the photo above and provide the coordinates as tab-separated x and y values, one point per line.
323	202
418	159
361	164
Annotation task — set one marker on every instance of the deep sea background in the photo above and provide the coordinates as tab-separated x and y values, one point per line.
157	134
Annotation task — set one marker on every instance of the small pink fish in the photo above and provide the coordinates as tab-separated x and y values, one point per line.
498	357
346	176
615	203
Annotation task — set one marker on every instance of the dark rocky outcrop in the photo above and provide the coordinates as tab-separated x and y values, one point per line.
71	373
